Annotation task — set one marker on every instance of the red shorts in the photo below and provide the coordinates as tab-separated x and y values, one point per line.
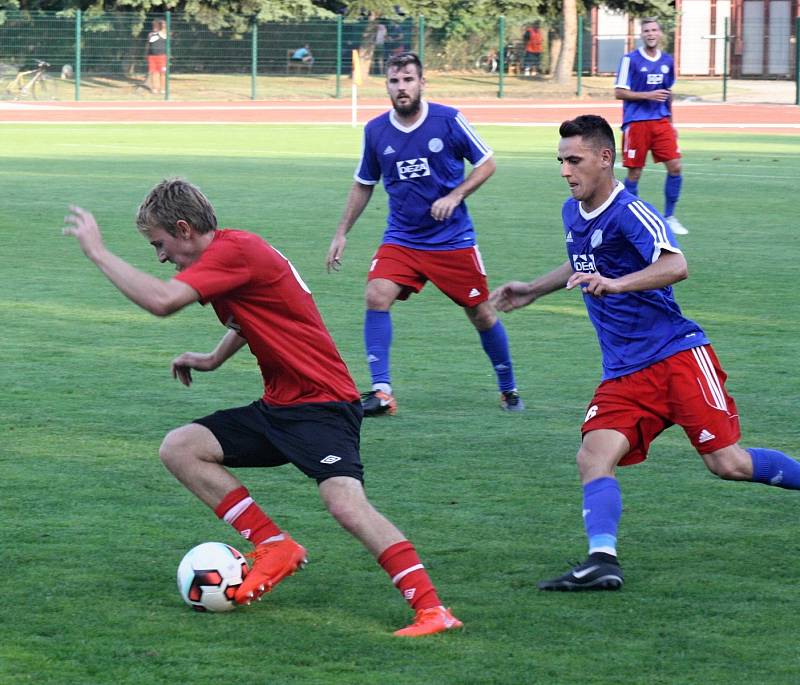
157	63
657	135
459	274
687	389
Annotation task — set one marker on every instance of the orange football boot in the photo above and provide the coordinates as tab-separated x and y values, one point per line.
430	621
377	402
271	562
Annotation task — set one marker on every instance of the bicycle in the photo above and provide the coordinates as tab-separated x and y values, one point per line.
487	62
490	61
30	83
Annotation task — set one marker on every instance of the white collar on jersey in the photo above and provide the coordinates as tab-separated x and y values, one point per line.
602	208
647	57
415	125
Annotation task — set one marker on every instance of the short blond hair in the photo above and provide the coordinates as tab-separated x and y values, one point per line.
172	200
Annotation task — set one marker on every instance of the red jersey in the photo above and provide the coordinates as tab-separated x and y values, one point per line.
256	291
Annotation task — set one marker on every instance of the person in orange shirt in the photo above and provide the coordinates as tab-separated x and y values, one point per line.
533	49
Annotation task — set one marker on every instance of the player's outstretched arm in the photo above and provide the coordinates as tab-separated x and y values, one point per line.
158	297
357	200
443	208
183	364
517	294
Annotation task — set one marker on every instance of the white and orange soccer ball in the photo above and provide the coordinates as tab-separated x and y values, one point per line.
209	574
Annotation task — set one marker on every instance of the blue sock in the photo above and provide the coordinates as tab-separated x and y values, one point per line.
602	510
631	186
672	191
495	344
377	341
774	468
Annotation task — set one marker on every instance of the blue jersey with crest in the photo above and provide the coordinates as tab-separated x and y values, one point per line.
419	164
623	235
640	73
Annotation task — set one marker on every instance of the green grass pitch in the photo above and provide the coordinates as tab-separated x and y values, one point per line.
94	527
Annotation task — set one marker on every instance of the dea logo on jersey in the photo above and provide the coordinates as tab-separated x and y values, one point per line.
413	168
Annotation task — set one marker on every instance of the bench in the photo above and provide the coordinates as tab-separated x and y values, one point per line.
296	64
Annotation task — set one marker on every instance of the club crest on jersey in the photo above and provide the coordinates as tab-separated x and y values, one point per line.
597	238
413	168
435	145
583	263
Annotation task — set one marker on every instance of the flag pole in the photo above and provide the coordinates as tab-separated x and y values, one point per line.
357	80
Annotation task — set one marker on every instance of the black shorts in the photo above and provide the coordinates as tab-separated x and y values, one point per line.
320	438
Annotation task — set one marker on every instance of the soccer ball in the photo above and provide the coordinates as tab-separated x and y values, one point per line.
208	576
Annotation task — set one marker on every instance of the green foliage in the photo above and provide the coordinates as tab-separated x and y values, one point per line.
215	14
644	8
94	527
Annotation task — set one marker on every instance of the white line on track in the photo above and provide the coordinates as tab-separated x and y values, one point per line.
544	124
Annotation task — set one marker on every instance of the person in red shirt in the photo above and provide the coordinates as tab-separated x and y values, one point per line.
534	42
309	415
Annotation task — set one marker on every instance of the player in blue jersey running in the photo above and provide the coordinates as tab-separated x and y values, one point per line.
659	368
644	81
419	149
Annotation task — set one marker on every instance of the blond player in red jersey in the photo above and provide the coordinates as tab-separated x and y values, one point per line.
310	413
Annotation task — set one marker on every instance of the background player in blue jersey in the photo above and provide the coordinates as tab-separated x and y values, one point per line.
644	81
419	148
658	366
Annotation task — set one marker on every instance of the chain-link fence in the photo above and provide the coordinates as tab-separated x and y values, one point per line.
93	56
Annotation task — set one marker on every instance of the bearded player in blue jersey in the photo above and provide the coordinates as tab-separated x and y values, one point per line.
644	81
419	148
658	367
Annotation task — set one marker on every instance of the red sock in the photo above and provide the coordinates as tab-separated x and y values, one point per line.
239	509
401	562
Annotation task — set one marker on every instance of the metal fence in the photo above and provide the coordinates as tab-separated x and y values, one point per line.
94	56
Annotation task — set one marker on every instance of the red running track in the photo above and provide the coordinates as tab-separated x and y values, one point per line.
763	118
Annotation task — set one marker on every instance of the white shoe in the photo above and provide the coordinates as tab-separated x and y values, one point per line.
676	226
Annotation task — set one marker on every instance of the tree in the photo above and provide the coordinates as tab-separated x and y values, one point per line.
569	42
216	15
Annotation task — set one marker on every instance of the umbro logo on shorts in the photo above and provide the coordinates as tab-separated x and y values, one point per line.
330	459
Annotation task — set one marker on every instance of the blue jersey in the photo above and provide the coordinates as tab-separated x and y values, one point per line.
640	73
635	329
419	164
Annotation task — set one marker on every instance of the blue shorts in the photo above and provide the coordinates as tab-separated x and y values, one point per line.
322	439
